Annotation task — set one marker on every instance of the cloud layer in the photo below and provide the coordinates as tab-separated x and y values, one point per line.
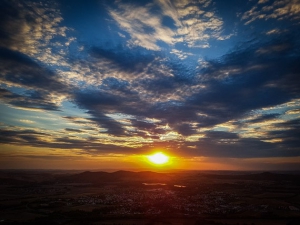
152	74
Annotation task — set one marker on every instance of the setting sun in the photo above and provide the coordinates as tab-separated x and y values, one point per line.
158	158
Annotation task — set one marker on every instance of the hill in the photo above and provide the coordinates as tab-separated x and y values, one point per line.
103	177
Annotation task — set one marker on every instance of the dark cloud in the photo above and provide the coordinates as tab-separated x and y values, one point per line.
101	102
8	94
113	127
77	120
239	148
18	66
11	24
114	84
73	130
131	60
151	128
98	103
254	81
32	138
289	133
19	69
218	135
20	137
227	144
160	85
98	99
35	100
251	82
185	129
141	125
22	70
263	118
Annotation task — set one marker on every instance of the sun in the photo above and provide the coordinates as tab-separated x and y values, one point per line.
158	158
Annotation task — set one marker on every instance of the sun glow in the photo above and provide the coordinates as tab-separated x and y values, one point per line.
158	158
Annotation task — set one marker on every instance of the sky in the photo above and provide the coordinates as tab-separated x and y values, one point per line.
100	84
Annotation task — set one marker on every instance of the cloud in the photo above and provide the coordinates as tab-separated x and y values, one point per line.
200	23
238	92
279	10
263	118
99	103
43	88
224	144
28	27
37	139
153	130
177	22
240	82
20	137
293	111
221	135
27	121
185	129
144	27
275	31
71	130
19	69
139	72
181	55
287	135
133	60
42	102
144	73
156	88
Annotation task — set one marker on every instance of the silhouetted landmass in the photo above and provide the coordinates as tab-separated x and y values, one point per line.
257	176
100	177
144	198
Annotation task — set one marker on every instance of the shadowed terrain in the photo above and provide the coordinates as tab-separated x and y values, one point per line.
125	197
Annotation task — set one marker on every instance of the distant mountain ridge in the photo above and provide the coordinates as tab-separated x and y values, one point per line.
100	177
121	175
255	176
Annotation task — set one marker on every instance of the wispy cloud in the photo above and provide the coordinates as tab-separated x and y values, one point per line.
199	23
144	27
27	121
279	10
30	27
178	22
